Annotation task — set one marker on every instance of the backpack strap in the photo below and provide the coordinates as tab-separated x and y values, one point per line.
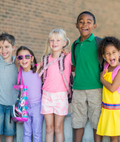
74	46
98	40
20	77
114	73
46	64
106	67
62	68
101	61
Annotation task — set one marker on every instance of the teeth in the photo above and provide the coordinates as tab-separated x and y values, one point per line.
112	61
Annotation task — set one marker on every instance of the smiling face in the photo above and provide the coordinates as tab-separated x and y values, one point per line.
111	55
6	50
56	43
85	25
25	63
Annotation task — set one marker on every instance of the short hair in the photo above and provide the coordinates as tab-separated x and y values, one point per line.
110	40
86	12
58	33
7	37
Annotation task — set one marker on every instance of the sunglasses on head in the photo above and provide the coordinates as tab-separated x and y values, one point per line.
20	57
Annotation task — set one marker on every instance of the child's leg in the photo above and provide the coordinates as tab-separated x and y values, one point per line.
78	134
37	120
49	119
114	139
27	127
10	126
97	138
94	110
9	139
59	134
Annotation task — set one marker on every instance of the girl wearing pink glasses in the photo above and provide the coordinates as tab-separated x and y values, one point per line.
27	60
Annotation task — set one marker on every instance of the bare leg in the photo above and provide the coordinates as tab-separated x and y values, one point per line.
0	138
97	138
59	134
114	139
78	134
49	119
8	138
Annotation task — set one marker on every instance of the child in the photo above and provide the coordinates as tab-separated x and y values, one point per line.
109	124
87	86
8	78
30	78
55	100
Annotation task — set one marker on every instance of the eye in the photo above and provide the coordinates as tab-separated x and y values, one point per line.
0	47
89	22
58	40
80	21
107	53
6	46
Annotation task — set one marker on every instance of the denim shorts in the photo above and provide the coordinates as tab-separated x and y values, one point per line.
7	125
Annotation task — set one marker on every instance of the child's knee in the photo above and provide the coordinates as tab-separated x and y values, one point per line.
58	129
49	129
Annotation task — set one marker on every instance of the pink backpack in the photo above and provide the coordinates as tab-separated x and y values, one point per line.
114	73
60	60
20	107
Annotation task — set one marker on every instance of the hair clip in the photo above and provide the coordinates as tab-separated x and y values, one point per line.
36	65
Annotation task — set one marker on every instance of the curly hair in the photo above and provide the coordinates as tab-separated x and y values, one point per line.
108	41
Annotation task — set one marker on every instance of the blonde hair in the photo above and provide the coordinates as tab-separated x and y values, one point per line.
58	33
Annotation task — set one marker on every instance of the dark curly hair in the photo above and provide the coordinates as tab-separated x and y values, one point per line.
108	41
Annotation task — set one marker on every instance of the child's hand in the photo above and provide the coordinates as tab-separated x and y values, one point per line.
65	51
17	63
101	75
39	66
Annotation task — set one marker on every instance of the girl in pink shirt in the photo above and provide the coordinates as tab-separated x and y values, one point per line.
55	96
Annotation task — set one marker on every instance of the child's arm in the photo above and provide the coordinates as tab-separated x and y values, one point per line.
39	66
17	63
111	87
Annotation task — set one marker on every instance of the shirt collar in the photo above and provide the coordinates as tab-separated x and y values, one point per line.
89	39
2	59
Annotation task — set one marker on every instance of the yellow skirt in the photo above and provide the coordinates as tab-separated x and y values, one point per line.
109	123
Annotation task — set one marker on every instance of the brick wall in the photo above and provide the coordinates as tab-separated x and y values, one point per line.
30	21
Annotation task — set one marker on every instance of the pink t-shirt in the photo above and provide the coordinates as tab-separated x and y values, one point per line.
54	81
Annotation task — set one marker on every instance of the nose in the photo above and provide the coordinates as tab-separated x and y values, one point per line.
111	55
84	23
3	49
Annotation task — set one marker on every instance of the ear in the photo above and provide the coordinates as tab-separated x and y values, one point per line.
94	26
64	44
77	25
119	52
103	56
13	48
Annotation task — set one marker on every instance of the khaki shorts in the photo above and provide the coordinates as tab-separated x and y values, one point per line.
86	104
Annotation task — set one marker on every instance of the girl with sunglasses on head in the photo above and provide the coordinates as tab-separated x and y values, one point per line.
27	61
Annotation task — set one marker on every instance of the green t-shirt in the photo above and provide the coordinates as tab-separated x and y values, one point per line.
87	70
